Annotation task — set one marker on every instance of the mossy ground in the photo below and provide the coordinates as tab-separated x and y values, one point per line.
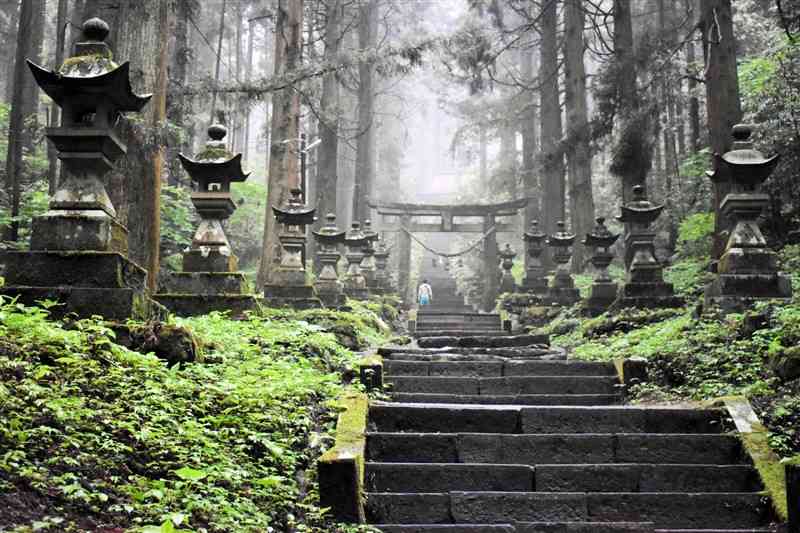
94	436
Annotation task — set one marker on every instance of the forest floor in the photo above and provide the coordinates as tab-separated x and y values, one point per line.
98	434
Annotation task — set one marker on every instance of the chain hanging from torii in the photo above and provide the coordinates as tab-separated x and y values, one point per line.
472	247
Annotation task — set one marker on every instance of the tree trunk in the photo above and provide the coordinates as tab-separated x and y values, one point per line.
365	149
530	178
553	157
579	158
283	167
723	107
327	172
24	103
248	78
218	61
694	102
178	105
55	111
8	87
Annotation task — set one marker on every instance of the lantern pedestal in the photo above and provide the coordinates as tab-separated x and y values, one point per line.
604	290
329	289
562	291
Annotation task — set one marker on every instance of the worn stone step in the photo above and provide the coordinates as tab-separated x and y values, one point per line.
481	341
445	528
505	385
664	509
520	399
394	417
583	527
554	448
496	368
444	477
484	335
476	354
646	478
715	531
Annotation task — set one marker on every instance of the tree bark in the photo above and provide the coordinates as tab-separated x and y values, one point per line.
553	157
723	106
177	105
579	157
327	172
218	60
55	111
530	178
365	148
24	103
283	167
8	87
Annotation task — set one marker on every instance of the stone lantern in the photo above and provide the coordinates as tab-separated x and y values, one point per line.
604	290
79	250
355	286
383	281
209	280
562	291
507	283
289	286
535	281
644	286
748	269
329	288
368	265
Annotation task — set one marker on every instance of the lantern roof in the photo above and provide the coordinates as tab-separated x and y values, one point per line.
748	167
91	71
296	213
215	163
329	233
561	237
535	234
640	210
600	236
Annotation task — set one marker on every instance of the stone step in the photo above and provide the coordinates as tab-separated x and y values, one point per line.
488	419
481	341
646	478
521	399
427	315
498	368
718	449
664	509
445	528
583	527
715	531
465	332
510	385
534	353
444	477
450	329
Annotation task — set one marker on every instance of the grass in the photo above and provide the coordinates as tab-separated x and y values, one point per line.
94	436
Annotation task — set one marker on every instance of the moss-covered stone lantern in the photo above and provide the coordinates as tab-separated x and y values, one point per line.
535	281
604	290
79	250
329	288
562	290
383	282
644	285
368	266
355	285
748	269
209	280
507	283
289	285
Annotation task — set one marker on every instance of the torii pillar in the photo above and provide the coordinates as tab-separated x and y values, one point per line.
490	264
404	259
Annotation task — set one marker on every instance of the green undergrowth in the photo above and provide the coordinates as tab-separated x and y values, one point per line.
701	354
96	437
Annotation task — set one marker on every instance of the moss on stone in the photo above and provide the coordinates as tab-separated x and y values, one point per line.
214	154
351	428
87	62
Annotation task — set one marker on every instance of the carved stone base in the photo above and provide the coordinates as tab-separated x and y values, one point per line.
216	283
602	297
212	260
738	292
655	295
202	304
294	296
357	293
85	283
90	230
535	285
563	296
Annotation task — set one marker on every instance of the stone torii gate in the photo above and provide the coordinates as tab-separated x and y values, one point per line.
398	217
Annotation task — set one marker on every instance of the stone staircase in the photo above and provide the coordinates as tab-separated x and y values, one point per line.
533	443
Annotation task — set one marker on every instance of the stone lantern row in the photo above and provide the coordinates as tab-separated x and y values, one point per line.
747	271
79	250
